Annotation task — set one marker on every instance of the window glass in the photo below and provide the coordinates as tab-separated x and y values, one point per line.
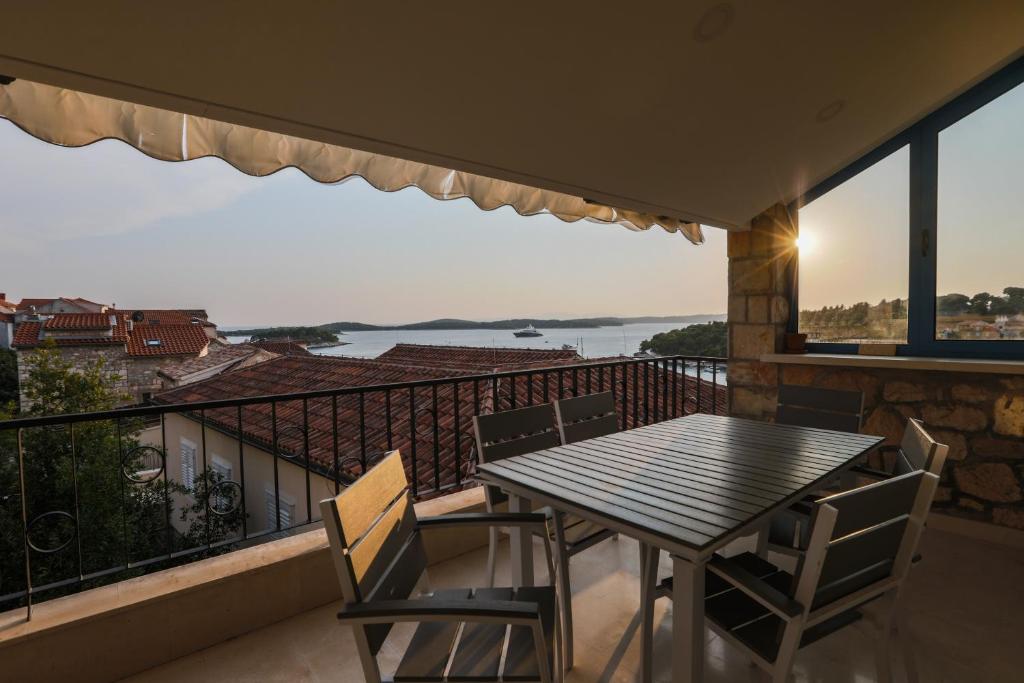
853	277
980	231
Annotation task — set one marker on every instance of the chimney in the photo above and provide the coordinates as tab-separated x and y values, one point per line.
3	296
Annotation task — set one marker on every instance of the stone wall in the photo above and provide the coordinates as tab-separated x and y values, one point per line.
80	358
980	416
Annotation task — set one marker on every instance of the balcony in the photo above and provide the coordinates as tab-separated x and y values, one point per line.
963	601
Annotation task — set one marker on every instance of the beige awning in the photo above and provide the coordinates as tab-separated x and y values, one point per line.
74	119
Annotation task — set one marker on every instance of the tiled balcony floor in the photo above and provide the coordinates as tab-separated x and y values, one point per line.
966	601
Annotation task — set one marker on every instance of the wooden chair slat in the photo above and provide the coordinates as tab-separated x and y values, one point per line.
590	429
373	554
833	400
807	417
512	423
478	652
521	657
427	655
527	444
852	555
367	499
397	584
874	504
585	407
917	445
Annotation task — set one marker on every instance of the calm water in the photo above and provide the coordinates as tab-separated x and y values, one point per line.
592	342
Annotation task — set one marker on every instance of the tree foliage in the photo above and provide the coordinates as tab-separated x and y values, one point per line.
708	339
80	495
8	380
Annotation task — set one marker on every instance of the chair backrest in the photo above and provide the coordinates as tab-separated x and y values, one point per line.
862	538
586	417
515	432
378	553
919	451
823	408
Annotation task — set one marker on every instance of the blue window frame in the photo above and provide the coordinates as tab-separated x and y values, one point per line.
923	142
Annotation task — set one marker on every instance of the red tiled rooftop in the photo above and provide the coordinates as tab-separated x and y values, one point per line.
285	348
28	335
481	358
78	321
167	340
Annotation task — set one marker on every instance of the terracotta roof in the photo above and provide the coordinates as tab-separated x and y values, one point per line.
78	321
167	340
218	354
29	334
285	348
25	303
478	357
292	374
7	317
164	316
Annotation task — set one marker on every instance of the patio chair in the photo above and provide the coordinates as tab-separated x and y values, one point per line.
789	531
586	417
526	430
822	408
378	551
860	549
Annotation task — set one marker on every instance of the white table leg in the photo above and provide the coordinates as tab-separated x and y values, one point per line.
522	545
687	621
648	583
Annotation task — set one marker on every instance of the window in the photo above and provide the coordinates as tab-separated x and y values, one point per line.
152	342
287	515
919	243
188	463
853	257
223	499
980	224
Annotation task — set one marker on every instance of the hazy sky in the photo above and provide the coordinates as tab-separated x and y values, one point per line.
858	232
107	223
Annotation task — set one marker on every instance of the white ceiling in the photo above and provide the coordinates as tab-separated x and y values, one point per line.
700	110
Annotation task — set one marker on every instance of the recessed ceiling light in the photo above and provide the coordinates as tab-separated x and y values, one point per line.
714	23
830	111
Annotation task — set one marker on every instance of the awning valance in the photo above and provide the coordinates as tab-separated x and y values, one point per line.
74	119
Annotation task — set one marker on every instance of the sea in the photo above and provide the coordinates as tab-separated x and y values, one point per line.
590	342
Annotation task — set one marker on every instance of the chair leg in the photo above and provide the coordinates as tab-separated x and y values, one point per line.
492	551
564	587
648	585
906	645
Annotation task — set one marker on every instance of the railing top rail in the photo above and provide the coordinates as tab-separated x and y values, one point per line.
160	409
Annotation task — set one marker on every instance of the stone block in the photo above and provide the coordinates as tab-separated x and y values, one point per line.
757	309
943	494
1008	516
884	421
971	504
985	446
955	440
802	375
991	481
750	276
962	418
737	309
751	341
905	392
738	243
1009	415
971	393
751	402
780	309
752	373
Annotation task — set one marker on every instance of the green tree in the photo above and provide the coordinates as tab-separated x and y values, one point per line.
83	489
953	304
8	380
695	340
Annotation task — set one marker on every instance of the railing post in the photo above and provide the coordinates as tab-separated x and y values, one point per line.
458	433
277	480
412	441
437	438
24	524
241	473
700	384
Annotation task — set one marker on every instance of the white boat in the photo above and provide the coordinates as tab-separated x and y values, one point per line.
528	331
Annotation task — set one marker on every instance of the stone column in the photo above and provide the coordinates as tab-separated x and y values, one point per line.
759	285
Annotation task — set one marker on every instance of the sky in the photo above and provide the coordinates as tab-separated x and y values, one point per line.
109	224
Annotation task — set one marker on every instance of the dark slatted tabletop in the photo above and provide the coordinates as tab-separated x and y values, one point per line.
687	485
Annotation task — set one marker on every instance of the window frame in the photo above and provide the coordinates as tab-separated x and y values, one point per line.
923	141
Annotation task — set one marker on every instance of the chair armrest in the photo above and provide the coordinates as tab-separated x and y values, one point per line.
461	519
870	472
773	599
481	611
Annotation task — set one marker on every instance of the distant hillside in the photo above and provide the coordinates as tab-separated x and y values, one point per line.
512	324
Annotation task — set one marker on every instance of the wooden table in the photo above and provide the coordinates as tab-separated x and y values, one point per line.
688	486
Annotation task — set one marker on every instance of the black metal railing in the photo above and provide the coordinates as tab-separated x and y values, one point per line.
90	498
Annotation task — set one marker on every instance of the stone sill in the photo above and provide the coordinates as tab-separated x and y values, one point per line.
996	367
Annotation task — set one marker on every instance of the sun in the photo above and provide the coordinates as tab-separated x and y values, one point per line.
804	243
